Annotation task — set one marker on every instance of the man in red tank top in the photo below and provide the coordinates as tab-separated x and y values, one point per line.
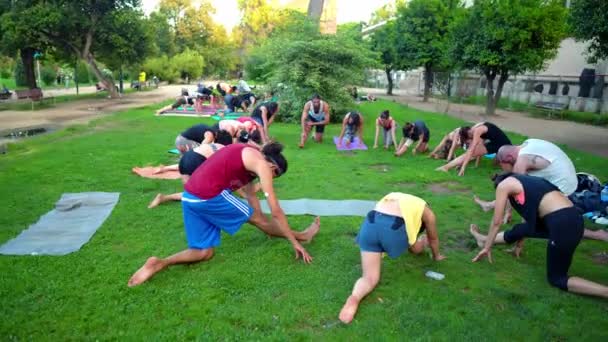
209	206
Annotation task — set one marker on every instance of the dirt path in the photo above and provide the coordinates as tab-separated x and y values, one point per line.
583	137
82	111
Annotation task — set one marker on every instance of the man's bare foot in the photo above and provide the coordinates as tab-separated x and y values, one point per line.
481	240
151	267
301	145
486	206
310	232
441	168
156	201
349	310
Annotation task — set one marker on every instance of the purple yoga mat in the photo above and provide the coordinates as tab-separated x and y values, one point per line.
355	145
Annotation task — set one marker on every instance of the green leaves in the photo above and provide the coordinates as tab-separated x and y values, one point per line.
589	22
298	63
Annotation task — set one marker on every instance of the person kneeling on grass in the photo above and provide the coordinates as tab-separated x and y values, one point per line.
416	131
550	215
264	115
201	134
181	101
392	227
315	114
446	148
209	206
486	138
388	126
352	126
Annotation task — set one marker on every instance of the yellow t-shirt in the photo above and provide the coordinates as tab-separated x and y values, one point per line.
411	208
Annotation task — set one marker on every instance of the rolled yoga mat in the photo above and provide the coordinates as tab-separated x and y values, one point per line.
65	229
316	207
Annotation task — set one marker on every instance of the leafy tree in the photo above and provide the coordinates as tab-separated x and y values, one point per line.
189	64
589	22
20	24
384	41
19	74
48	75
163	36
161	67
84	28
500	38
422	27
297	65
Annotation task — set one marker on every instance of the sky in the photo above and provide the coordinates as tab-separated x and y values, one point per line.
348	10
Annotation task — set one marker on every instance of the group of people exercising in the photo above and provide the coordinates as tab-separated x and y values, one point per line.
217	161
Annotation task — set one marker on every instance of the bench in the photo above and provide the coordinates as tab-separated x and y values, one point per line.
551	107
35	95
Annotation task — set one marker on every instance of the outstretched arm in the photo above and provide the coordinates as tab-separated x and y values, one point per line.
377	133
360	130
478	131
255	162
502	193
445	138
344	121
430	221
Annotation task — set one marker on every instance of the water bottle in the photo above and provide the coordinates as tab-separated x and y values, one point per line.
434	275
604	194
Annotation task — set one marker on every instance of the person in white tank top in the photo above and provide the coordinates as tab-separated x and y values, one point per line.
543	159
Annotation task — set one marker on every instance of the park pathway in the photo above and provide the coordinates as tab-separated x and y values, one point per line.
592	139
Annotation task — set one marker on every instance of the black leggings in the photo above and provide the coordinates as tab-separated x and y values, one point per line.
564	230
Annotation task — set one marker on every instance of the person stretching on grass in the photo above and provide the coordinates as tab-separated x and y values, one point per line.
416	131
550	215
486	139
543	159
446	148
200	134
388	126
264	115
315	114
392	227
352	126
209	206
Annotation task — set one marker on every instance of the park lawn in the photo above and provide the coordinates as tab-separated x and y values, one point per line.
253	288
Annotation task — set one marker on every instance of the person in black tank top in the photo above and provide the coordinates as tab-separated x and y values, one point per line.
548	214
264	115
485	138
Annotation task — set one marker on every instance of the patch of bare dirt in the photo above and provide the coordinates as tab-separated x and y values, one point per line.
447	188
380	167
600	258
458	240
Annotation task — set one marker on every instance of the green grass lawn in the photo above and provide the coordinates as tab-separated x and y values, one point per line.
253	289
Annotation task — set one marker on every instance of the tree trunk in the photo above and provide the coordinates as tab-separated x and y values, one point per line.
490	102
504	76
428	81
389	90
27	58
107	82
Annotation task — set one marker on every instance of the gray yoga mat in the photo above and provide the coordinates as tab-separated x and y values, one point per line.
317	207
66	228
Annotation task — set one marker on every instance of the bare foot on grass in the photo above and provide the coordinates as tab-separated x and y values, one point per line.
349	310
485	205
312	230
481	239
151	267
156	201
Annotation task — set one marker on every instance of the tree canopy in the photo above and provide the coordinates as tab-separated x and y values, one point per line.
507	37
589	22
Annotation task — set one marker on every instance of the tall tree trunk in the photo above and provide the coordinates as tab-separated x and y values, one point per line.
428	81
504	76
389	90
490	103
90	59
27	58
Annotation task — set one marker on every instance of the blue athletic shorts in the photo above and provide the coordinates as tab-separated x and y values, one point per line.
383	233
204	219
